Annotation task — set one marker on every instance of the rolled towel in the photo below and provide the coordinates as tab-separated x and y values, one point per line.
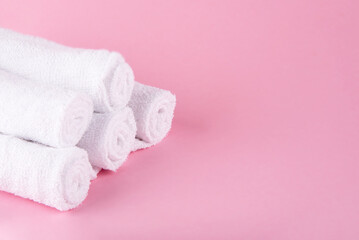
103	75
153	109
110	138
42	113
57	177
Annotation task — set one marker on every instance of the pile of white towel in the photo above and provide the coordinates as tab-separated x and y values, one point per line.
66	113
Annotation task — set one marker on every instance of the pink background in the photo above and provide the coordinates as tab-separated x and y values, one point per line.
264	143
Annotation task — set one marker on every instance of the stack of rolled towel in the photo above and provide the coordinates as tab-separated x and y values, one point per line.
66	113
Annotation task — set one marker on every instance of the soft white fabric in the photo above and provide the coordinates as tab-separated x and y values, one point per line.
103	75
153	109
57	177
109	138
42	113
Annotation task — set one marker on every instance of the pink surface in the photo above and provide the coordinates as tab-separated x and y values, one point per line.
265	138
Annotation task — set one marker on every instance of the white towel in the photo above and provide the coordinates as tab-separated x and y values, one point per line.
153	109
103	75
57	177
109	138
42	113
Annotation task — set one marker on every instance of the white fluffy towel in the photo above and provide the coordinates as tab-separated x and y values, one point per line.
42	113
103	75
57	177
153	109
110	138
